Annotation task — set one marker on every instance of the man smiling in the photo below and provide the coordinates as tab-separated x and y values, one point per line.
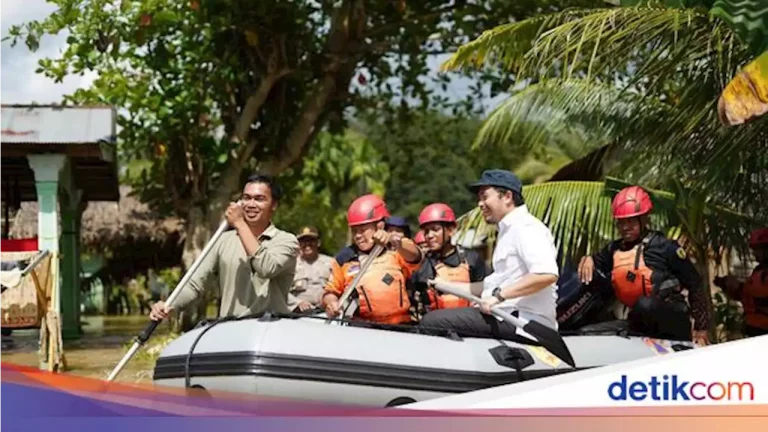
524	261
255	262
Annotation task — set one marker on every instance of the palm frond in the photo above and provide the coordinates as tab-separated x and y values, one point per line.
536	115
506	45
651	43
656	141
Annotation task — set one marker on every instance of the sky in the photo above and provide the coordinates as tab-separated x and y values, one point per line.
21	85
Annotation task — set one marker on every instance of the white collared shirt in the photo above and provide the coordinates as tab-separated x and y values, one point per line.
525	245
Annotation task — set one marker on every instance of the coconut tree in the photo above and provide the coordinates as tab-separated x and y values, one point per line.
660	116
647	77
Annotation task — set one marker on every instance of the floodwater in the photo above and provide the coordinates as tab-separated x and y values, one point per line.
105	341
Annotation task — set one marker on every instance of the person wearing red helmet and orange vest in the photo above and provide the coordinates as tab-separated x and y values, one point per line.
381	291
649	273
443	260
753	293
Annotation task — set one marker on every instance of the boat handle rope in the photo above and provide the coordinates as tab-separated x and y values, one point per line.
187	377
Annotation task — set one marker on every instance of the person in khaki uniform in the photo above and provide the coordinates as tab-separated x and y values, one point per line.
312	272
255	263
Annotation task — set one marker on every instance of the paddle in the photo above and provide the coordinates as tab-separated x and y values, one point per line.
12	278
142	337
377	250
548	337
34	262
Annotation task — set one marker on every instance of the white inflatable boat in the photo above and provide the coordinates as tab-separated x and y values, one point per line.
310	358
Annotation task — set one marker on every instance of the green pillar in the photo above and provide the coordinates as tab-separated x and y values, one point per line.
71	215
71	209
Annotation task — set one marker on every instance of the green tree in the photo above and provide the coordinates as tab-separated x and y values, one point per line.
337	169
208	90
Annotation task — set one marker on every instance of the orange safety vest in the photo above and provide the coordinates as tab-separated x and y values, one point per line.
452	274
630	277
382	295
755	299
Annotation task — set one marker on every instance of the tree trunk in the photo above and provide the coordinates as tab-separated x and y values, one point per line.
703	268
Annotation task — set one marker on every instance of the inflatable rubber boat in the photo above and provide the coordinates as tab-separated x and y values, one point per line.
338	361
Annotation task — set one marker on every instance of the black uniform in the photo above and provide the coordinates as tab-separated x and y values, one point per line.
666	315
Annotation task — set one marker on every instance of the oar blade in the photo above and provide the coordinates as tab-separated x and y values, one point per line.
551	340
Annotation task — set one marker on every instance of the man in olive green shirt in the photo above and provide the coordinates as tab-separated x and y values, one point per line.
255	263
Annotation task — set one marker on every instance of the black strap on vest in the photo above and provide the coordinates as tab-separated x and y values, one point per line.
640	250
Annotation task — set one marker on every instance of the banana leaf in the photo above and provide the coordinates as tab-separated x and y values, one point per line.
748	18
746	96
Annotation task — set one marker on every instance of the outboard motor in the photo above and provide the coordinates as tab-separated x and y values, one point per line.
579	305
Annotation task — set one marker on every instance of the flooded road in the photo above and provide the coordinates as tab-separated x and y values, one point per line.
105	341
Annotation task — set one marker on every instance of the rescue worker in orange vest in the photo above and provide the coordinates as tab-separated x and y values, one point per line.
381	291
443	260
753	293
649	274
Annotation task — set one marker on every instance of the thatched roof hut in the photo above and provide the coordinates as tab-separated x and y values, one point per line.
108	223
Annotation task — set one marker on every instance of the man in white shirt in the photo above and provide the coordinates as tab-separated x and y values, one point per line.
524	262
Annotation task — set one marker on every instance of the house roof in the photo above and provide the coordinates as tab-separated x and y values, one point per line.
86	134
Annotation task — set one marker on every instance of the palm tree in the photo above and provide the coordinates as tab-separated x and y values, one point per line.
646	78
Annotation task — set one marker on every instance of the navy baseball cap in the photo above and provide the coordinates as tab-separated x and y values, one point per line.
499	178
400	222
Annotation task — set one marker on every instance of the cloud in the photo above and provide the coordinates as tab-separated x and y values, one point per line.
20	83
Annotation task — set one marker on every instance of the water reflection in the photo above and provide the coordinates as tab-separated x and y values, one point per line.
96	353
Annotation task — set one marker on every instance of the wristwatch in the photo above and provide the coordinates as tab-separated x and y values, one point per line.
497	293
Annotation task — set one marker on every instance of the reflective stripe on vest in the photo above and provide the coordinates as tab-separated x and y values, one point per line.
755	299
382	294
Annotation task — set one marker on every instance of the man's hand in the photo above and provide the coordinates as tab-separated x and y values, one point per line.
396	239
381	238
234	214
305	306
487	304
700	338
586	269
331	305
160	311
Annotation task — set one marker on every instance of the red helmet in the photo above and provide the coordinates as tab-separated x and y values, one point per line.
630	202
367	209
419	239
758	237
437	212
